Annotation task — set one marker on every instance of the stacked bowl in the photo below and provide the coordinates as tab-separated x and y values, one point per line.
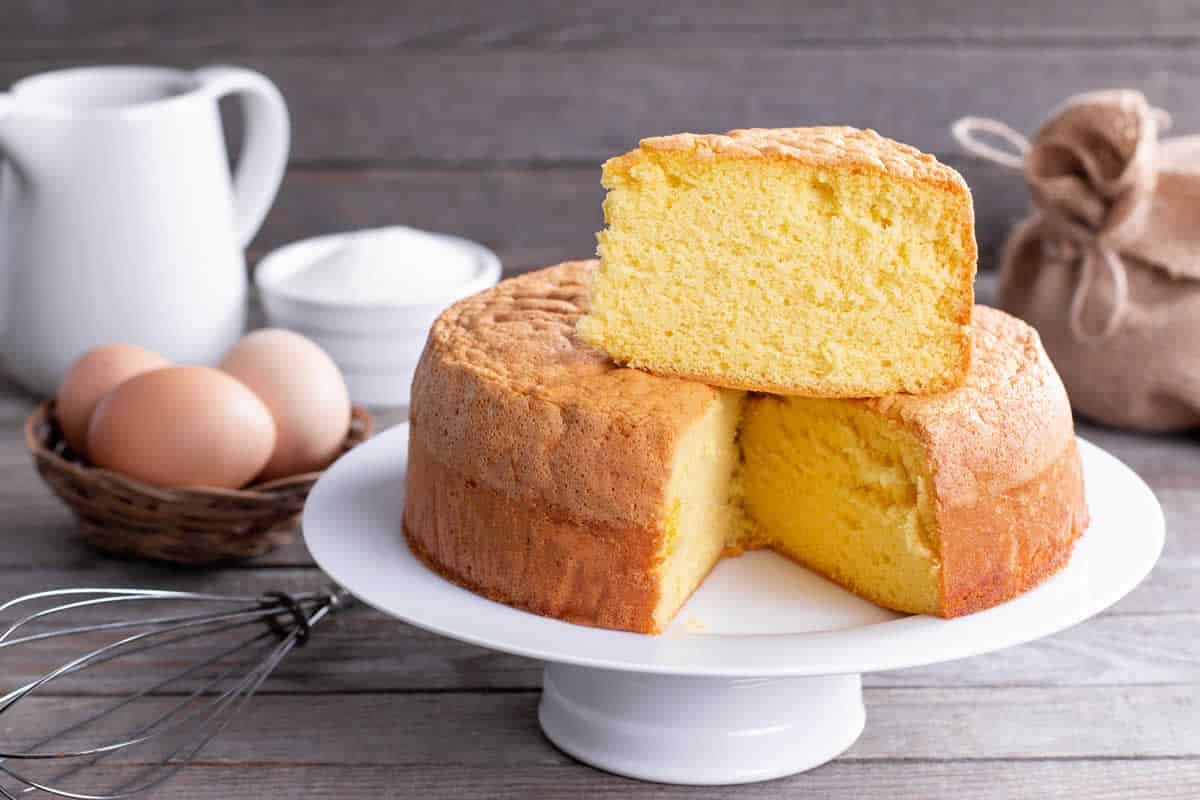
369	298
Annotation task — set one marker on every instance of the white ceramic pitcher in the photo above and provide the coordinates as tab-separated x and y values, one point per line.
119	221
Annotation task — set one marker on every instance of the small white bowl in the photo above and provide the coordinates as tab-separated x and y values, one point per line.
375	342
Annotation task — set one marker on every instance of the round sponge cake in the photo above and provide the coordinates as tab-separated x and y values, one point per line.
542	475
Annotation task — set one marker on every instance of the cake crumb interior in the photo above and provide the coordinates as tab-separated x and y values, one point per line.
768	274
700	514
826	483
845	492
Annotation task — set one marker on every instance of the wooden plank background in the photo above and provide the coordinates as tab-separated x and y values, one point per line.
490	119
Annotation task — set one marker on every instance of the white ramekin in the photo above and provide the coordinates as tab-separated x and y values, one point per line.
375	344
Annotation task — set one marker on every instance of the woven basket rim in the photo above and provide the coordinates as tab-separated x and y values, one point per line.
361	427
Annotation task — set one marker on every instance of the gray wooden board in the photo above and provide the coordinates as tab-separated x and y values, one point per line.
374	144
933	724
431	113
38	25
1003	779
581	106
504	145
490	120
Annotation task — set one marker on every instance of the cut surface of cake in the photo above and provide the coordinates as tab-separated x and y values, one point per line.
543	475
826	262
944	504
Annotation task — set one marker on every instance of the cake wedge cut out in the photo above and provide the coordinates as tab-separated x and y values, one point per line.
822	262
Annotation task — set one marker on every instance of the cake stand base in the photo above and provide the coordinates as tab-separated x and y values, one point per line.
699	730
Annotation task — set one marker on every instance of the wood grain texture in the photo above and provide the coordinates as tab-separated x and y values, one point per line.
521	106
504	143
372	24
470	729
1117	779
490	120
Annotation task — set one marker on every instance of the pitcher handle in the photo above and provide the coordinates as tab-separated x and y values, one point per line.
265	141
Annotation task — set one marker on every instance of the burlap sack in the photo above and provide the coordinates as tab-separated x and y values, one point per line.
1107	266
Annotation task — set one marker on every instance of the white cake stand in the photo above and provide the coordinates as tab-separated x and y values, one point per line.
760	675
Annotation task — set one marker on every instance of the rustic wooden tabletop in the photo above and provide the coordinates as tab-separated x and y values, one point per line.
376	708
489	120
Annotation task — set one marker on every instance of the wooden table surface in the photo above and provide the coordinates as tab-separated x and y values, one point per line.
490	120
375	708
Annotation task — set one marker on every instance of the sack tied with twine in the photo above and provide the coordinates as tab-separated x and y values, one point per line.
1107	265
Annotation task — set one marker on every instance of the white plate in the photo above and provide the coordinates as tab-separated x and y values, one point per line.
758	615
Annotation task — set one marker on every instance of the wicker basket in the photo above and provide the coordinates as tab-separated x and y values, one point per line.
129	518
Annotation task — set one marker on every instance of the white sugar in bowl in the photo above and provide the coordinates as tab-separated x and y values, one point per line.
369	298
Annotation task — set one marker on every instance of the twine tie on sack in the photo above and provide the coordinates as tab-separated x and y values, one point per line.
1093	247
1105	264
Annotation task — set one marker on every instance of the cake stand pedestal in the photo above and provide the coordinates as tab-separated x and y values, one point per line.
674	729
759	676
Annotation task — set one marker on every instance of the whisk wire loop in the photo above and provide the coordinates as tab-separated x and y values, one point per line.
216	684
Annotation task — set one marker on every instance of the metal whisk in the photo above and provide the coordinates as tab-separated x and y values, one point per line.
218	650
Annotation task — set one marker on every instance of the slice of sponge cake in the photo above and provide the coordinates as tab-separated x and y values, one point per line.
825	262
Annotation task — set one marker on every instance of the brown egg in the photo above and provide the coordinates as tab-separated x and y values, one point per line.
93	375
305	393
183	426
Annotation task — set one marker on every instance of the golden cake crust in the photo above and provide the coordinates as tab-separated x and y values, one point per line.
1005	466
546	440
529	555
1009	420
508	395
538	469
835	147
